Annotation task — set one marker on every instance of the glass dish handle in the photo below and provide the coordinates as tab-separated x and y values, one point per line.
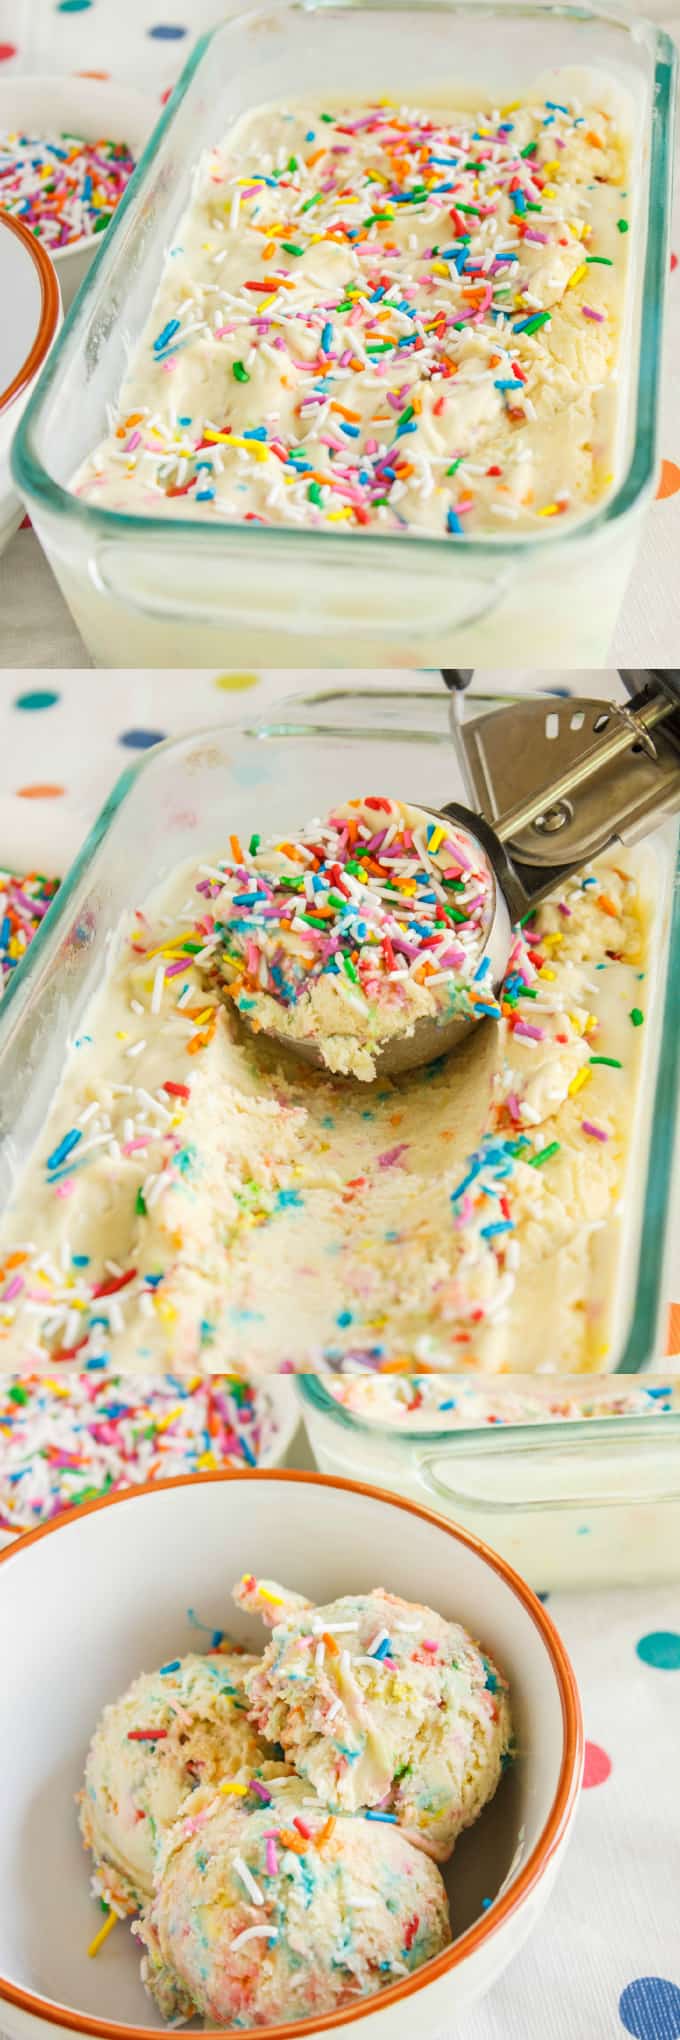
242	593
573	1473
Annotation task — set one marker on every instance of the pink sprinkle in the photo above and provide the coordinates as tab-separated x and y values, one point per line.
173	969
390	1156
271	1858
261	1791
512	1102
429	1644
13	1288
597	1132
531	1033
588	312
130	1146
564	910
66	1188
531	235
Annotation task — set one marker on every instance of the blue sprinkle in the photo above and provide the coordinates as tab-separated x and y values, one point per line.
508	384
453	523
327	338
64	1148
391	1818
167	334
519	201
172	1666
344	1318
487	1232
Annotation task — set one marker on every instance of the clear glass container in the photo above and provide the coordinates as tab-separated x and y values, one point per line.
580	1501
152	592
174	806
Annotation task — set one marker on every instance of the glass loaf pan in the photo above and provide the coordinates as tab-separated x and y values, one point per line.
177	804
156	592
571	1502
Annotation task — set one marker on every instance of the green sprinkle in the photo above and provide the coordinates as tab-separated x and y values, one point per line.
474	209
406	415
316	200
349	967
18	1395
289	248
314	494
636	1016
239	372
453	470
539	319
292	163
254	845
605	260
192	948
611	1062
329	117
140	1206
530	149
545	1154
622	226
314	920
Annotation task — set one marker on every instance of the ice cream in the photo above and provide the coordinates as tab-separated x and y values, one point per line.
366	924
199	1197
270	1910
381	1704
388	318
174	1730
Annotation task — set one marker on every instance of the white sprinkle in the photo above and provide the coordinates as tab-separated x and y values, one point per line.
251	1887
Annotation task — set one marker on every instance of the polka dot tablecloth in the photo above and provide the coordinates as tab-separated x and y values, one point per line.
148	47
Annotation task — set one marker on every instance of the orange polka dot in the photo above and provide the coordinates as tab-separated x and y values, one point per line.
669	481
673	1332
92	74
42	790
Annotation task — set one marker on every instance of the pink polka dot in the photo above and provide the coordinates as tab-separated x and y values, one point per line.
597	1765
674	261
7	50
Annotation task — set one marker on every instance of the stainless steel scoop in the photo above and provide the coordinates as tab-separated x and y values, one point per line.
554	785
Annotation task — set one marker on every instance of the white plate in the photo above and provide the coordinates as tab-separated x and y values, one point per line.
30	317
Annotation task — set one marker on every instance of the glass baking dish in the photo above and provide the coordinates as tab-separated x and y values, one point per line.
154	592
176	804
576	1501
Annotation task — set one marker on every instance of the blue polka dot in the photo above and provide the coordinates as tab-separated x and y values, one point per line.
661	1648
38	697
141	740
73	6
167	32
649	2007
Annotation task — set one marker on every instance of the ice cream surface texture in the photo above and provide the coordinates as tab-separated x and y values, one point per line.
271	1910
199	1197
381	1704
366	924
385	318
172	1731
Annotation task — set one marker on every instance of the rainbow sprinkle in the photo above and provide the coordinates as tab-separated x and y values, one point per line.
62	187
23	905
88	1435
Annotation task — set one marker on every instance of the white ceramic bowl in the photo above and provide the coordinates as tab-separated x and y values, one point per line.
30	317
88	1602
95	108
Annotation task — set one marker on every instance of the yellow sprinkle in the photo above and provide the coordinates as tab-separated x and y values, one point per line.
576	1022
551	169
99	1938
551	941
231	1789
439	269
549	510
435	842
276	1599
170	1419
578	276
582	1077
546	972
122	1034
336	516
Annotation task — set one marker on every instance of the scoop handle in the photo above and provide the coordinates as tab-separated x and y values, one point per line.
523	885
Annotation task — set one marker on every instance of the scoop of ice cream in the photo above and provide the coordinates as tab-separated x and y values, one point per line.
173	1730
364	924
265	1912
380	1703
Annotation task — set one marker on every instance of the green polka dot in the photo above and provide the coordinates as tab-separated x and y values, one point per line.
37	697
236	683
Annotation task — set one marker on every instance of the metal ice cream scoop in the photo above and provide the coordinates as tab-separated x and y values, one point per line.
554	784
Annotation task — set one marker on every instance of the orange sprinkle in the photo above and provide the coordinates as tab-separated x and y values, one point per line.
325	1832
236	849
331	1645
353	417
607	906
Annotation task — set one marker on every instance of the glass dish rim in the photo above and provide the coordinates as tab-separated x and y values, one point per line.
33	480
658	1195
312	1393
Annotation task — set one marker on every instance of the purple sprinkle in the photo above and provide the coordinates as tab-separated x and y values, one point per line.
597	1132
531	1033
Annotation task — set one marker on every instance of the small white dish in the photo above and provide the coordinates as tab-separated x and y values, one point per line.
96	108
88	1601
31	316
